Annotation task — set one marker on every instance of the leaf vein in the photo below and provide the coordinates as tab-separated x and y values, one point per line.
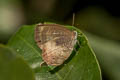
29	44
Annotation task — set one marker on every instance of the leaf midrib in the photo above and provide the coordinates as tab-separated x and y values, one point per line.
29	45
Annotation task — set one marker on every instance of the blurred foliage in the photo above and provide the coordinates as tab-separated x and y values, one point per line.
108	54
11	17
13	67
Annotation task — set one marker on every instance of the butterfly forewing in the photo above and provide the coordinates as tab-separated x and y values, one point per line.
56	42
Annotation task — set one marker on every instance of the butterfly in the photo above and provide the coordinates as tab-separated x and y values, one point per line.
56	42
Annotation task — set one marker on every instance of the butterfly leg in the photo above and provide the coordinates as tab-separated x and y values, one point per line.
43	64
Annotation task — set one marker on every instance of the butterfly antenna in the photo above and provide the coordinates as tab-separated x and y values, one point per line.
73	20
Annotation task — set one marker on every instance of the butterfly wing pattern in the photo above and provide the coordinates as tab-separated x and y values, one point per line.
56	42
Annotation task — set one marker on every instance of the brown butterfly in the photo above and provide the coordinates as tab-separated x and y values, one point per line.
56	42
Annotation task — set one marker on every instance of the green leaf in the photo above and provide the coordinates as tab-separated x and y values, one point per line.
13	67
81	65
